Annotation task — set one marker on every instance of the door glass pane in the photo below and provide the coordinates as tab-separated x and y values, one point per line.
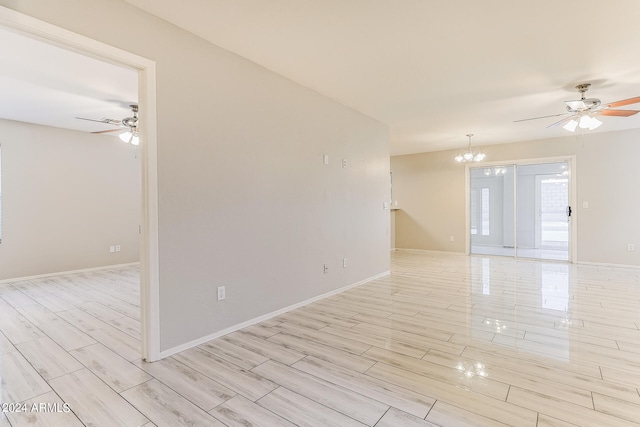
491	210
485	211
543	197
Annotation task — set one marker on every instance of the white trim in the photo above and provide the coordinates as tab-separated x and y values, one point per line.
533	161
63	273
573	201
149	268
51	34
606	264
198	341
515	210
149	237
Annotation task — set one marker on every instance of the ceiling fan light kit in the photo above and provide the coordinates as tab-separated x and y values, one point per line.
583	122
469	155
571	125
580	113
130	135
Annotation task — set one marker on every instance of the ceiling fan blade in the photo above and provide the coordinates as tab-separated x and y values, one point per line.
629	101
618	113
542	117
106	121
107	131
560	122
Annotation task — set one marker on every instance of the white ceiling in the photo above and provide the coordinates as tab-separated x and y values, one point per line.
435	70
44	84
432	70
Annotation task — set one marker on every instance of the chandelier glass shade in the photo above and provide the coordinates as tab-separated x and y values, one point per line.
469	155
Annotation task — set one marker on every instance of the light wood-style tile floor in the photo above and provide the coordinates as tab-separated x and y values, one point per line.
445	340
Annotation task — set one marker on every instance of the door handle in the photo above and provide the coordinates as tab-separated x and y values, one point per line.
568	212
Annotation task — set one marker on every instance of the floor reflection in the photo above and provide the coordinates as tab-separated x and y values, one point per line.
554	280
566	333
525	304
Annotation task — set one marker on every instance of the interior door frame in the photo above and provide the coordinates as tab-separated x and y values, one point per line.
573	223
149	259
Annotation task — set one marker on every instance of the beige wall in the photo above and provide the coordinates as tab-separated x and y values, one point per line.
67	196
244	199
430	188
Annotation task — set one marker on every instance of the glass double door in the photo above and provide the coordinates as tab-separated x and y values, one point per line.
520	210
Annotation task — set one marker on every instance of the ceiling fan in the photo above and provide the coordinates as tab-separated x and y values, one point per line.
129	123
582	112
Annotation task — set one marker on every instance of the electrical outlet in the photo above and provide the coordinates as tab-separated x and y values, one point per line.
112	249
344	163
631	247
117	248
222	294
345	263
326	268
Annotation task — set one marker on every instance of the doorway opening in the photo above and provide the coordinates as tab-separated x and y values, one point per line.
521	210
149	269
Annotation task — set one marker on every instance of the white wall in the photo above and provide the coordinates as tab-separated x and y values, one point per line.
430	188
244	199
67	196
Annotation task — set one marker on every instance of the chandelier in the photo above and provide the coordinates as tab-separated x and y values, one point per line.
470	155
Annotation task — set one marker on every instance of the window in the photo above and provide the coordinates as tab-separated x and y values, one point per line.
483	214
485	211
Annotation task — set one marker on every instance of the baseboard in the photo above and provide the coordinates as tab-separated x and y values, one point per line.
604	264
202	340
428	251
62	273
